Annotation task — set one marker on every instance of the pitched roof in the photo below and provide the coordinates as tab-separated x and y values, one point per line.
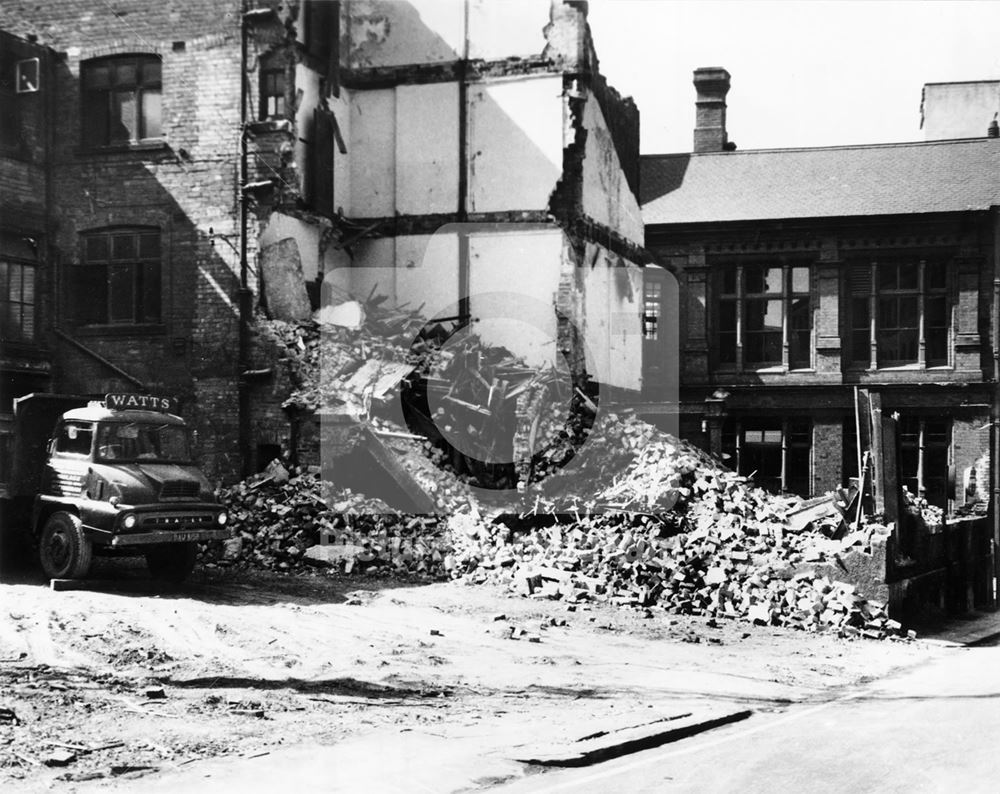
887	179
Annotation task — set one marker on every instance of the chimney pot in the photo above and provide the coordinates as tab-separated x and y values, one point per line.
993	131
711	84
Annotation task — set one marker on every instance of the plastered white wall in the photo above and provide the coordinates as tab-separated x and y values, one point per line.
400	32
420	271
427	148
607	197
612	330
513	278
372	153
515	143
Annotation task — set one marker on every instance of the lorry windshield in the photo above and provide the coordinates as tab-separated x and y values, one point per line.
128	441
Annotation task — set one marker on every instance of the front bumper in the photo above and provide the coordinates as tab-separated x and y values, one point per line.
168	536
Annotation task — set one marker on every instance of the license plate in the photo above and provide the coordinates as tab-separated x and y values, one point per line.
182	537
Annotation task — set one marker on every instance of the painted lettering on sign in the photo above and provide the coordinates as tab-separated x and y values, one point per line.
148	402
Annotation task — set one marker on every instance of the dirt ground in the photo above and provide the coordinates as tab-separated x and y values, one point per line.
118	679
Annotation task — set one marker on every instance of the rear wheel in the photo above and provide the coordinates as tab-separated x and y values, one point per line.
172	562
64	551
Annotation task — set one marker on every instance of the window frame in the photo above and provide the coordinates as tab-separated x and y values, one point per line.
870	327
136	91
145	278
271	65
733	297
922	440
788	446
16	254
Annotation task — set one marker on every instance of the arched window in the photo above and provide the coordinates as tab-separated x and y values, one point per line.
121	100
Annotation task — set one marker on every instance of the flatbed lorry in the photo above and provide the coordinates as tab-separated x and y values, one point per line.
114	478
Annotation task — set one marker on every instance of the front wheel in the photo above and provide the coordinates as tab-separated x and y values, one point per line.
64	551
172	562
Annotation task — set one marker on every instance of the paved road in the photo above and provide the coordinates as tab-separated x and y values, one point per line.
935	728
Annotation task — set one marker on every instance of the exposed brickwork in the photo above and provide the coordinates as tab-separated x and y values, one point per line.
181	188
827	453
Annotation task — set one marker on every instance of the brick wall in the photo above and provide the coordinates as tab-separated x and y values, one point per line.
827	454
181	188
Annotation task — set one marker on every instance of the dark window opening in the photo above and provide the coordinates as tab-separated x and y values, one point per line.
911	313
776	452
121	100
273	70
17	301
74	438
764	316
119	278
923	457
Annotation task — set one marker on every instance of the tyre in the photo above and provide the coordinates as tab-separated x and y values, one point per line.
172	562
64	551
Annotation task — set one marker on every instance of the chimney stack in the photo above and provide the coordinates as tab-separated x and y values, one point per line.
711	84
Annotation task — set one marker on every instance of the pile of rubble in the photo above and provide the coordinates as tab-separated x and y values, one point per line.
605	508
287	519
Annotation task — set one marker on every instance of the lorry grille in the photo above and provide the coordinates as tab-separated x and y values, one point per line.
180	489
178	521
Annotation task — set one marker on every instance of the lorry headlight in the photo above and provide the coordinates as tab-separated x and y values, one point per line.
222	518
129	521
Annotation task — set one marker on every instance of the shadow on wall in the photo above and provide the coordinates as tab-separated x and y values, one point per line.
140	286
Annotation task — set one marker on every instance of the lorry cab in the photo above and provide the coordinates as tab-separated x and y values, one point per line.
116	477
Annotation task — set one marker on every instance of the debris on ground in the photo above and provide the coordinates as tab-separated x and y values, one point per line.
607	507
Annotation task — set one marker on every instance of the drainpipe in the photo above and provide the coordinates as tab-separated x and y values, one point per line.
463	175
995	432
244	295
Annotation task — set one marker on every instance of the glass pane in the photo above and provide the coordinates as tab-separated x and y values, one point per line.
860	346
27	283
10	320
151	292
151	72
125	74
772	436
909	275
908	343
763	315
763	280
151	114
887	277
123	116
14	283
935	275
937	346
800	317
91	294
727	317
909	312
937	312
97	248
888	313
763	348
122	293
728	286
149	245
727	348
800	279
96	77
799	350
123	247
28	321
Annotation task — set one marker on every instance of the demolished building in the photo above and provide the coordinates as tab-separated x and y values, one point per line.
213	166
